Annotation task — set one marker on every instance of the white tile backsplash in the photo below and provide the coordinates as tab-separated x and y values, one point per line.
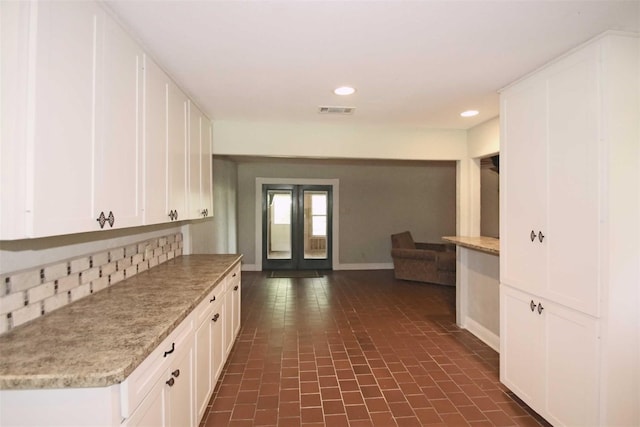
27	295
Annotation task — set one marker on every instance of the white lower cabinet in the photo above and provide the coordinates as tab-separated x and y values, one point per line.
179	395
208	354
549	357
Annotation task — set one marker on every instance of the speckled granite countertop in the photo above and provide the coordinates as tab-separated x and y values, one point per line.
99	340
489	245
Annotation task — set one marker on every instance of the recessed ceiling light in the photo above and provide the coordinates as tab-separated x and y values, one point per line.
344	90
469	113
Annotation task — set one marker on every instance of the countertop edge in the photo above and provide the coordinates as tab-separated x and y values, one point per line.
489	245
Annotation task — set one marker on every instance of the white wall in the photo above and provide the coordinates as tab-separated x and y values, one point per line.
336	140
218	234
477	273
18	255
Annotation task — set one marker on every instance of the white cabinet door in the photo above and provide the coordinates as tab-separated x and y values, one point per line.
155	181
572	366
61	139
181	411
574	187
236	292
218	354
203	358
521	346
14	54
206	164
195	137
549	357
152	412
200	174
177	130
523	187
227	322
118	128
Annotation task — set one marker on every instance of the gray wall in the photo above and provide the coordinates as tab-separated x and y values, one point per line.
376	200
218	235
489	203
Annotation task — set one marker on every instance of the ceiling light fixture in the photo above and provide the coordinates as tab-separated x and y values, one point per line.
469	113
344	90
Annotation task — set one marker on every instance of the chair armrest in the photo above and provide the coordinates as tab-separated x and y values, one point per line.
413	254
438	247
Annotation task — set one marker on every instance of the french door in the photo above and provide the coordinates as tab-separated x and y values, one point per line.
296	227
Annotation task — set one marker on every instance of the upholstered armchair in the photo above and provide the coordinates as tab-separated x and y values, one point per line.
423	262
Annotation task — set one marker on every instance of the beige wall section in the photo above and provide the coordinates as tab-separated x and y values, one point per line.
217	235
336	139
376	200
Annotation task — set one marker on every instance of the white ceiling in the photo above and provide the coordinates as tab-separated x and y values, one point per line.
414	63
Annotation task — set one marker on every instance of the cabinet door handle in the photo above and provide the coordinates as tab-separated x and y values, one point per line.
212	299
176	373
172	215
173	347
533	235
235	288
171	382
216	317
101	220
540	308
540	236
175	214
532	305
111	219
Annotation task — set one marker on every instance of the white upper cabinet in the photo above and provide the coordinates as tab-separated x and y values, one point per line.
199	164
177	105
60	138
119	128
206	160
97	136
570	203
155	181
550	183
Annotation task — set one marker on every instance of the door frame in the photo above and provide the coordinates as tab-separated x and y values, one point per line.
335	185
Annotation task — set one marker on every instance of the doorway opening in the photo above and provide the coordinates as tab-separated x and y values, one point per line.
296	227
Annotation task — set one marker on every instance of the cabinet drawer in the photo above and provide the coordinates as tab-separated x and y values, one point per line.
141	381
212	300
233	278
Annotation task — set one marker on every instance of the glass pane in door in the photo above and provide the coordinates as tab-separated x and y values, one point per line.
279	226
315	224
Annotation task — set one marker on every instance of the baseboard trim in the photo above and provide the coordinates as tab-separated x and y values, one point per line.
485	335
373	266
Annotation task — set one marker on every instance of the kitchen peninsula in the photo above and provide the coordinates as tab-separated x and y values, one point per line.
477	286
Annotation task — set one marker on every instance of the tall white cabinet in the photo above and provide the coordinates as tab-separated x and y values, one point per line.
569	238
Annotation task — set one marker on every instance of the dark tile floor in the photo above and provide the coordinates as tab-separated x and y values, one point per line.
358	348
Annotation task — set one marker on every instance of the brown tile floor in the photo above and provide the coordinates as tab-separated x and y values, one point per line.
358	348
